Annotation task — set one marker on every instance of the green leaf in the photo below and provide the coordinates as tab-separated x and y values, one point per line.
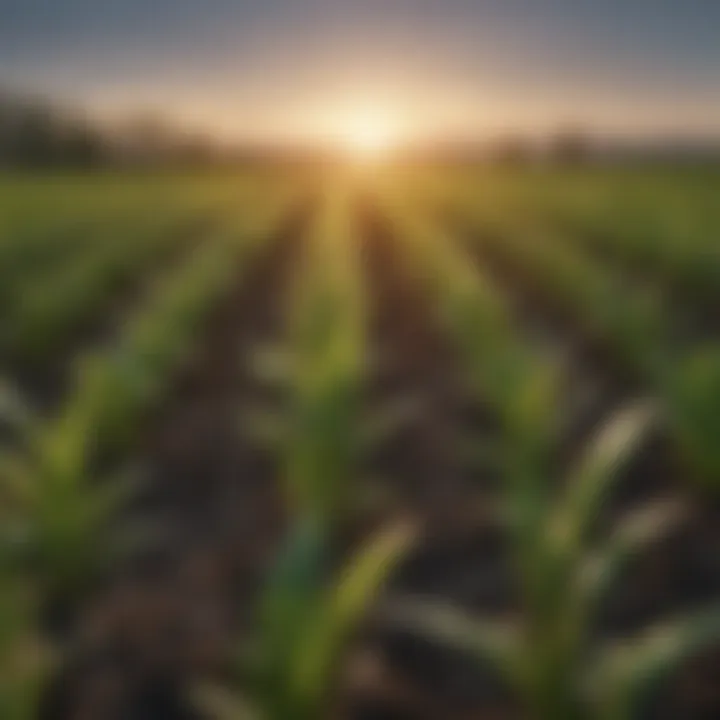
335	619
495	642
694	398
17	489
628	670
291	594
272	365
600	467
221	704
597	573
14	411
637	531
109	496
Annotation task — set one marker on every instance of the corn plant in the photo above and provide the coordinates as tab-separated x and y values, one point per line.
633	324
24	661
59	513
136	373
666	230
328	341
51	225
309	611
693	410
548	654
48	308
59	520
308	617
323	427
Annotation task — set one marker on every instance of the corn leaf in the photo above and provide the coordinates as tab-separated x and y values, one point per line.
627	671
599	469
493	642
335	619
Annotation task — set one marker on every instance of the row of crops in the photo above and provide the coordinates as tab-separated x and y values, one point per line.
549	653
579	313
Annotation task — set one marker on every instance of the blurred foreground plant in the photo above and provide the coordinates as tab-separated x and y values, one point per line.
310	608
549	653
309	614
693	409
59	518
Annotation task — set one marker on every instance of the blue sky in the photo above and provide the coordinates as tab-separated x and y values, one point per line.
291	66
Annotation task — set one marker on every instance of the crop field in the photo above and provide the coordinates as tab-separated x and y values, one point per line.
373	444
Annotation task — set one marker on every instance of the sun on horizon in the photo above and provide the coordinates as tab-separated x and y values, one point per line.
368	135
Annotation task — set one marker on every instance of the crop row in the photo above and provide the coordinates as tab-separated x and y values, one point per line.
62	485
634	323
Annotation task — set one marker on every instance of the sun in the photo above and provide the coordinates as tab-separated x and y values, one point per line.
368	136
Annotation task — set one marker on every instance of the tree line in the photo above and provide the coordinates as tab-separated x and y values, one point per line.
35	133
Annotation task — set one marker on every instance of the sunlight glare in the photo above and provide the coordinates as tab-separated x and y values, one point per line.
368	136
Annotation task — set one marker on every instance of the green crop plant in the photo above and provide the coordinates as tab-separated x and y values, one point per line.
323	427
328	340
548	654
60	515
24	660
665	230
59	512
48	308
693	410
48	226
631	322
58	519
309	614
310	609
136	373
51	224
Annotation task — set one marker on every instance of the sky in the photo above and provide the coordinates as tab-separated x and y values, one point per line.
308	68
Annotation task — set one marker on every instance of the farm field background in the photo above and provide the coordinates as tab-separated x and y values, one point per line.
376	442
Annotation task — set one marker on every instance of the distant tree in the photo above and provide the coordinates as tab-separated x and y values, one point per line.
38	134
512	150
570	146
146	139
36	139
83	146
35	134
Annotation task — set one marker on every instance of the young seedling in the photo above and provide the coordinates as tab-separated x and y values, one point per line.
58	517
309	615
